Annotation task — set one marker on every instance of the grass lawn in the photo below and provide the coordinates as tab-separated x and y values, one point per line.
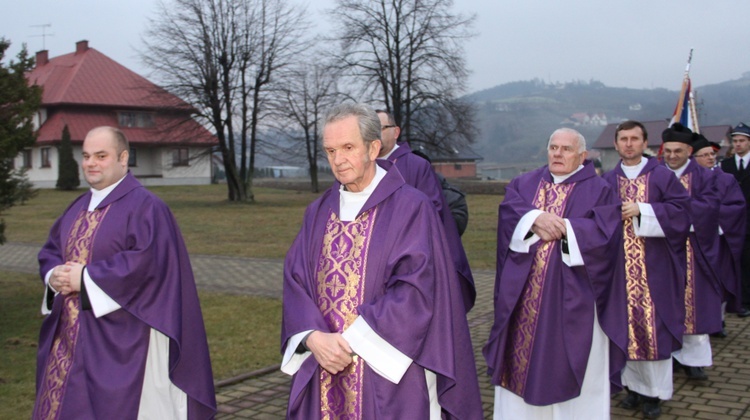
243	335
243	331
265	229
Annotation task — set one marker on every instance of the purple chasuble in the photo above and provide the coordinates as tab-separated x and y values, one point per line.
732	219
542	304
418	173
703	290
52	390
136	255
654	268
409	296
340	292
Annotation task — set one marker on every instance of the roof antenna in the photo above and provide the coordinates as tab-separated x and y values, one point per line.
44	34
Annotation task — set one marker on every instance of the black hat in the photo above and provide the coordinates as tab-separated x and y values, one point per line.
699	142
679	133
741	130
716	146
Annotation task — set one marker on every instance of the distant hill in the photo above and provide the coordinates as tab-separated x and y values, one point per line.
517	118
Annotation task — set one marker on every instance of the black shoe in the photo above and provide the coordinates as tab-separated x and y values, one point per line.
722	333
694	372
651	408
743	313
631	401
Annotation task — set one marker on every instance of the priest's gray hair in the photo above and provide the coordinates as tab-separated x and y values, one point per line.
369	123
579	136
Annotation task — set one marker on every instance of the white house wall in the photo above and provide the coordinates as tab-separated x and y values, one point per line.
153	167
198	172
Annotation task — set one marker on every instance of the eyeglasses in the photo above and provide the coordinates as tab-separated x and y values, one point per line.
385	127
707	154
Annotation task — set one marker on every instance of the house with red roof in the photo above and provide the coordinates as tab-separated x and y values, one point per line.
87	89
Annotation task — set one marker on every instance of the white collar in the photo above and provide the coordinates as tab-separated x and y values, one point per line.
395	146
350	203
678	172
632	171
560	178
97	196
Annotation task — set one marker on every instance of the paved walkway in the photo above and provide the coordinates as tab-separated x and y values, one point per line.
726	395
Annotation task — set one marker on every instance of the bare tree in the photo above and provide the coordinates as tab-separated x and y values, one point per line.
308	91
220	56
408	54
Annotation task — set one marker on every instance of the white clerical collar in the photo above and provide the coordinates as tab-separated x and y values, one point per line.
560	178
632	171
395	146
97	196
351	203
678	172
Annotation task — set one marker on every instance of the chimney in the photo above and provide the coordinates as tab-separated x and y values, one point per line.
42	58
82	46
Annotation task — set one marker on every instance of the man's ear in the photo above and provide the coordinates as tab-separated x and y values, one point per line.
124	157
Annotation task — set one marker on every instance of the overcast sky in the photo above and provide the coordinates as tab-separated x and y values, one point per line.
626	43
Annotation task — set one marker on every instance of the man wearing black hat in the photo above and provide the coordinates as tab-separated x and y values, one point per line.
702	287
732	215
738	166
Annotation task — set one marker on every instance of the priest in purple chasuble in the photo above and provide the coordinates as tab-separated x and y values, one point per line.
557	345
703	290
418	173
373	319
652	263
732	219
124	336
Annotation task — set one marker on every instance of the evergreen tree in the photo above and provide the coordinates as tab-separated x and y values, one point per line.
19	102
67	175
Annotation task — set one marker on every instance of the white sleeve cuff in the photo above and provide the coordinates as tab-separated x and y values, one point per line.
574	257
386	360
45	309
292	361
649	226
519	243
101	303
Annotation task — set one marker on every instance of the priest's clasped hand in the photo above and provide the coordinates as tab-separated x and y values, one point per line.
549	227
331	350
630	210
66	278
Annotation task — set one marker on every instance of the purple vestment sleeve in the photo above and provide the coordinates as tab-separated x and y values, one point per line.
418	173
704	213
139	259
732	218
412	300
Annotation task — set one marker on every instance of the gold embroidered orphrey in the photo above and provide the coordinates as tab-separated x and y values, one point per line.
552	199
341	283
642	342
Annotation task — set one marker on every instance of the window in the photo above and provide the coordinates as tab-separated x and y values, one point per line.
135	119
132	159
457	166
45	157
180	156
26	159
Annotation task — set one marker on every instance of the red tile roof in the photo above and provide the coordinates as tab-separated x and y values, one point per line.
167	130
87	89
